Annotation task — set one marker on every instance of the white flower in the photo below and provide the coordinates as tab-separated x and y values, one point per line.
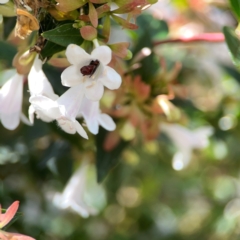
37	81
93	116
91	71
38	84
185	141
64	110
11	95
82	193
3	1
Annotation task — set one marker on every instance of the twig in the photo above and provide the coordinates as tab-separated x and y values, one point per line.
205	37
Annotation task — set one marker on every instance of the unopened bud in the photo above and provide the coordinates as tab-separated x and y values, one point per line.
129	55
88	33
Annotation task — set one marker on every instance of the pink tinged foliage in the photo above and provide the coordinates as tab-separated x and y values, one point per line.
93	16
120	49
5	218
88	33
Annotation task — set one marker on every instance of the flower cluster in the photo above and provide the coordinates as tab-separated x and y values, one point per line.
86	82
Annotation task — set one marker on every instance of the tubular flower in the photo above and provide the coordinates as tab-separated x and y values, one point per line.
185	141
38	84
64	110
82	194
93	117
91	71
37	81
5	218
11	95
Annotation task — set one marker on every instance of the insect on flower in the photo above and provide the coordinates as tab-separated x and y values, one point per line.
90	69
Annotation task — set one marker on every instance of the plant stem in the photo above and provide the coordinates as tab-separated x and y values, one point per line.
205	37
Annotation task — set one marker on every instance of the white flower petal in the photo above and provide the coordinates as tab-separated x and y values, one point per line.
80	130
93	126
110	78
67	125
94	90
81	192
10	121
103	54
38	82
89	109
71	101
11	102
31	111
77	55
201	137
181	159
25	120
47	106
106	122
185	141
72	76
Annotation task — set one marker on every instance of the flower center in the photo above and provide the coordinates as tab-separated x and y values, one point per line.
90	69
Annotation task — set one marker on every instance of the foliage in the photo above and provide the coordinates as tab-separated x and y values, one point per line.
178	75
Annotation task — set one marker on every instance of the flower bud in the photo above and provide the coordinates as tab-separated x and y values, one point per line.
88	33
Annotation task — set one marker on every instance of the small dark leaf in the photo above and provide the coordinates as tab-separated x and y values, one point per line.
58	158
7	53
49	49
8	25
64	35
232	72
14	219
107	160
233	44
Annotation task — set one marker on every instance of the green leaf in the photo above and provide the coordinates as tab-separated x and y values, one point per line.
7	10
235	4
152	1
14	219
107	160
233	44
57	157
7	53
8	25
49	49
154	29
64	35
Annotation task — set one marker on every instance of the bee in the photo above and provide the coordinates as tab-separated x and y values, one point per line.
90	69
26	23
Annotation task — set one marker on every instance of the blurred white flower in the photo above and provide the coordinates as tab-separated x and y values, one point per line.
232	208
3	1
91	71
82	193
38	84
11	95
185	141
64	110
91	112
